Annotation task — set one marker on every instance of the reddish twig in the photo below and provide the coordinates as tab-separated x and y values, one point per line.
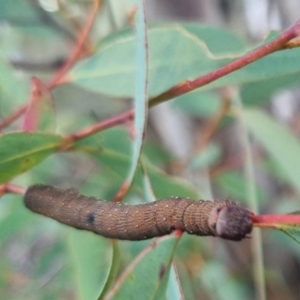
123	189
272	221
78	47
113	121
11	188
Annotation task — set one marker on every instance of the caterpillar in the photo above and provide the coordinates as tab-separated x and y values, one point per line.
221	218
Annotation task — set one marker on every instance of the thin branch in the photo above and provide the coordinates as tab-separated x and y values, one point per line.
12	189
273	221
94	128
78	47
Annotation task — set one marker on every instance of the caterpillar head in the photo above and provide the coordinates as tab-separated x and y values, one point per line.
230	221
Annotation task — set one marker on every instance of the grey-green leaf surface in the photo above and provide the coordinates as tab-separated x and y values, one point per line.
234	186
13	88
278	141
175	54
141	88
91	258
21	151
147	276
292	231
174	290
114	266
198	103
111	149
218	40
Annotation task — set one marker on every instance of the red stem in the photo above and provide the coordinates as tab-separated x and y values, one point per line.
11	188
78	46
272	220
113	121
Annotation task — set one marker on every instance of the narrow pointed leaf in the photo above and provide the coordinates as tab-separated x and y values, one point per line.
141	85
141	94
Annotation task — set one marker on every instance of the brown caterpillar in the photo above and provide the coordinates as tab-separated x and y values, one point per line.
220	218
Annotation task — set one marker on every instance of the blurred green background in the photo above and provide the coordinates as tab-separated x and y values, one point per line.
194	144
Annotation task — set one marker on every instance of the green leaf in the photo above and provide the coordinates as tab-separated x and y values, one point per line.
174	289
218	40
14	218
91	257
206	157
141	89
291	230
13	88
234	185
111	150
258	93
147	276
283	147
176	53
115	262
165	185
148	191
219	285
25	19
21	151
198	103
17	9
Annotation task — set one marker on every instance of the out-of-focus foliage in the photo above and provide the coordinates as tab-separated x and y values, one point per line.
42	259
